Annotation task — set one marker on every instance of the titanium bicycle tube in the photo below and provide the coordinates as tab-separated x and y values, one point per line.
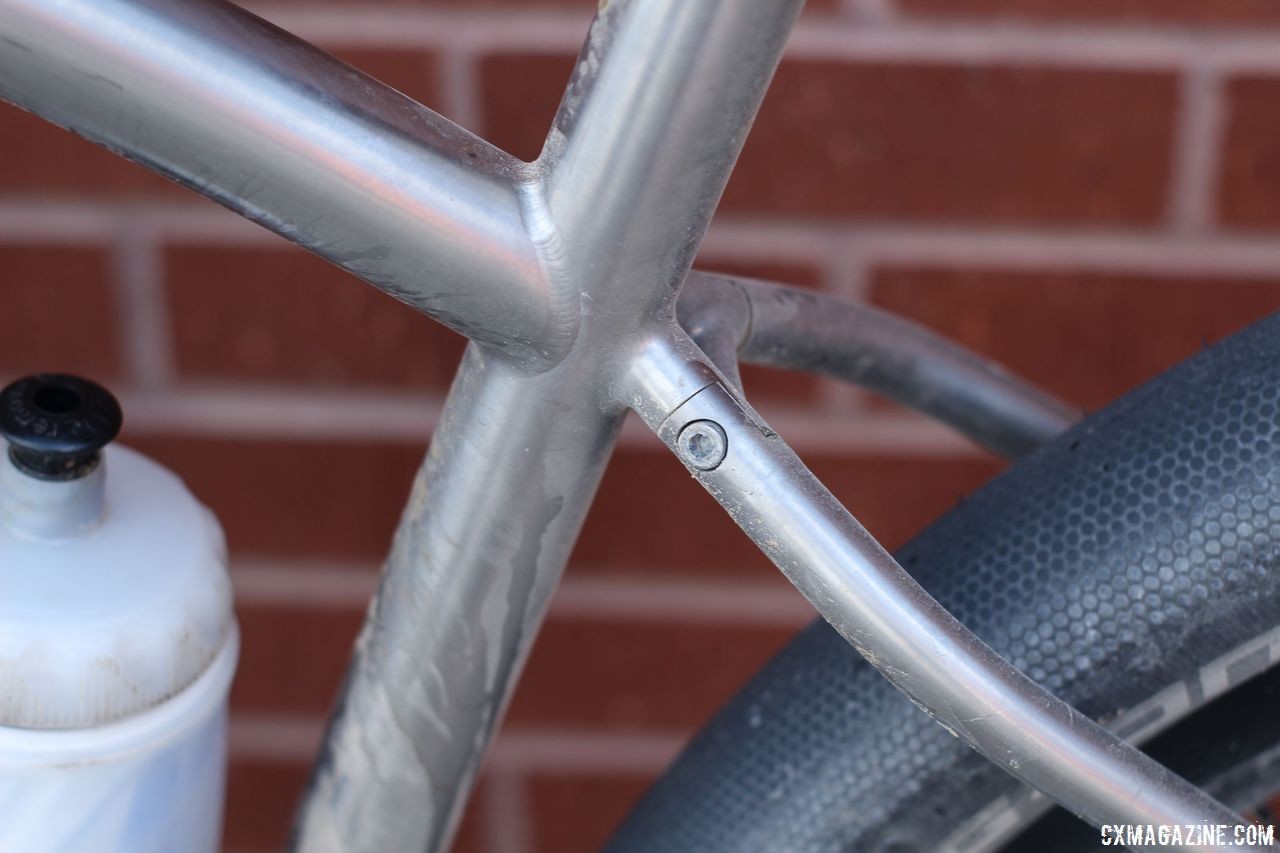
564	273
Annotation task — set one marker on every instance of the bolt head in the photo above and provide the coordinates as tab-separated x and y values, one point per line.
702	445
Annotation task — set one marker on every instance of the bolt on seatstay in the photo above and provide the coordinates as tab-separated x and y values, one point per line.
702	445
924	651
733	318
627	183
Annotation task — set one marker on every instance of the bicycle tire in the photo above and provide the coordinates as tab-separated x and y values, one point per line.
1131	566
1230	747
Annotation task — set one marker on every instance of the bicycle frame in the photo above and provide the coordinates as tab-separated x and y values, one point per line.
565	275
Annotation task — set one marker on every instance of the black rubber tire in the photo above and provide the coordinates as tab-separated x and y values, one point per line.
1136	556
1230	747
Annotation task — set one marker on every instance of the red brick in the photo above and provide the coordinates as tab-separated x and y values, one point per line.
793	273
341	500
894	495
576	814
767	387
282	315
917	141
470	835
1088	336
329	499
262	796
597	673
292	659
637	675
60	312
587	7
1249	188
520	94
1128	11
980	144
415	73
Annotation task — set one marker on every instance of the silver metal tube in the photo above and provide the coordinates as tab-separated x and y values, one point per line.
494	511
291	138
799	329
647	135
872	601
517	457
714	312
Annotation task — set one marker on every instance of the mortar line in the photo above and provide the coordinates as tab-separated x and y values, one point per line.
872	34
506	813
145	330
1197	152
460	84
870	11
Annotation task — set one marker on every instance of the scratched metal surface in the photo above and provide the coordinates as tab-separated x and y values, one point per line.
1110	564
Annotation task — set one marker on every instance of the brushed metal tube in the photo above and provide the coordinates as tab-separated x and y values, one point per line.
715	313
914	642
494	511
517	457
797	329
289	137
647	134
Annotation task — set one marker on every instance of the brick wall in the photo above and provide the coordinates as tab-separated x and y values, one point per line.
1086	190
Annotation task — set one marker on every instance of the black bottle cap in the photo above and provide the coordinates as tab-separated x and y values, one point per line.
56	424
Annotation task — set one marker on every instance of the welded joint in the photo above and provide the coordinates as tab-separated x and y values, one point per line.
564	301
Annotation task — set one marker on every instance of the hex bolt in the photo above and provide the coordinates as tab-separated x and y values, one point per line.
702	444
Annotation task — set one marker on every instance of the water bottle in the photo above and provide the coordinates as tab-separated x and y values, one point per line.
117	637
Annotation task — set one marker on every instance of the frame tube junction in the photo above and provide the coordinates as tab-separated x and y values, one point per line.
797	329
892	622
289	137
517	458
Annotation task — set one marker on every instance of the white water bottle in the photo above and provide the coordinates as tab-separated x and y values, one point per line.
117	636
